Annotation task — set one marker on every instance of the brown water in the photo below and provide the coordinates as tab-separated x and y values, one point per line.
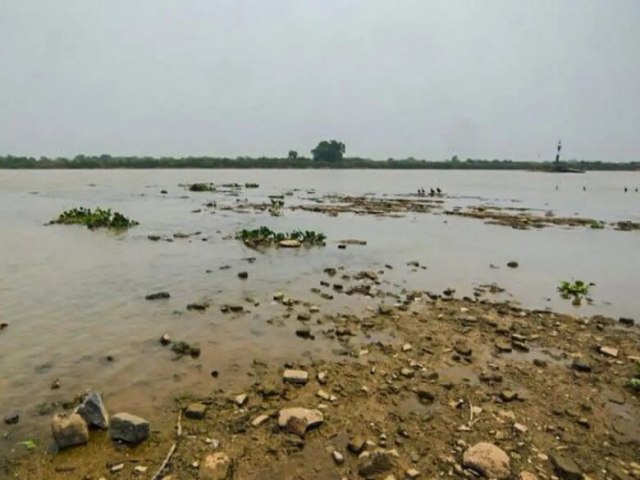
73	297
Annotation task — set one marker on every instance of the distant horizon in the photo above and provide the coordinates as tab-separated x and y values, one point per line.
309	157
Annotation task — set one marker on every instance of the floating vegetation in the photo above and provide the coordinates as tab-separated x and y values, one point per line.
201	187
575	290
251	185
93	219
265	237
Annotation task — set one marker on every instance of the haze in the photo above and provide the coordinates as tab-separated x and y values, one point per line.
427	79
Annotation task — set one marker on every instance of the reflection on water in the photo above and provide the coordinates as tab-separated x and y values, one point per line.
73	298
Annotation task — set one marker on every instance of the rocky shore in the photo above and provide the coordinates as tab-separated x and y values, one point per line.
424	386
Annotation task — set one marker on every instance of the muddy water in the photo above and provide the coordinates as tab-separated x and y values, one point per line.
73	298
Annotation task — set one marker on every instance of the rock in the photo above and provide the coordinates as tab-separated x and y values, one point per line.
521	346
140	469
337	457
3	325
357	444
518	427
303	332
385	309
200	307
69	431
461	347
278	297
183	348
407	347
581	366
259	420
12	418
128	428
323	395
93	411
235	308
165	340
195	411
367	274
488	460
425	395
512	264
609	351
331	271
158	296
375	464
304	317
627	321
412	473
241	399
503	346
295	376
540	363
214	466
299	420
243	275
524	475
322	377
565	467
508	395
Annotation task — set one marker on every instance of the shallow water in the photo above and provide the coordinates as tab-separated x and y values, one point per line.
73	297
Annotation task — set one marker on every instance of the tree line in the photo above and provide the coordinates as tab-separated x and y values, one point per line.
327	154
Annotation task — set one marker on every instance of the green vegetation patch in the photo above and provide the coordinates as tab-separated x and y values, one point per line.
574	290
265	237
634	382
93	219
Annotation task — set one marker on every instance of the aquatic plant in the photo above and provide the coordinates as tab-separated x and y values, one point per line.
93	219
264	236
634	382
201	187
251	185
30	444
575	290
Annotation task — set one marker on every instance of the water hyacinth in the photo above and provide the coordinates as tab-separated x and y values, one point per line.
94	219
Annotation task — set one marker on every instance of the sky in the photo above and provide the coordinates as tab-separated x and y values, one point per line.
390	78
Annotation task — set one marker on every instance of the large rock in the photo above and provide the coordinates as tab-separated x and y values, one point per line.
93	411
128	428
295	376
215	466
69	431
196	411
565	467
488	460
298	420
375	464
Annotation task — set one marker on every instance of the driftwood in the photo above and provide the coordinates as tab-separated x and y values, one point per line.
172	450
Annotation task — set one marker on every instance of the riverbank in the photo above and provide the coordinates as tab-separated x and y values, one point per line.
413	385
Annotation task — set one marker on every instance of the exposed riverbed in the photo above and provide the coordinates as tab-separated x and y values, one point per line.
75	299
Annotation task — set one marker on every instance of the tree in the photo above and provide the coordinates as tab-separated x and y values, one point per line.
293	155
328	151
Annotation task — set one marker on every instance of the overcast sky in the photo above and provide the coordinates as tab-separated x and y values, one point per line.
390	78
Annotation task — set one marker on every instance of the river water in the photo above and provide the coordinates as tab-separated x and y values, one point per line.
73	297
